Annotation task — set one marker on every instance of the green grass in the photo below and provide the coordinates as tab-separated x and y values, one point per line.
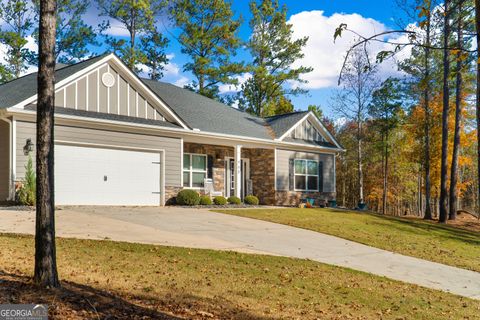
233	285
412	237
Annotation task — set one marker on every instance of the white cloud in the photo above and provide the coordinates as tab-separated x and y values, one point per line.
231	88
325	56
171	69
182	82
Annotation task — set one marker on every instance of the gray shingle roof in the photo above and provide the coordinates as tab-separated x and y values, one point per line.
282	123
17	90
209	115
197	111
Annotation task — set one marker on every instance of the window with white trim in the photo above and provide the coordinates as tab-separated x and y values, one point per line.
194	170
306	175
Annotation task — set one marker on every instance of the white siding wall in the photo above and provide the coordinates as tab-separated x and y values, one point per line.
4	160
283	167
172	146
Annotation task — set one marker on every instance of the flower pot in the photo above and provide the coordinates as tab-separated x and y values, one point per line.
332	203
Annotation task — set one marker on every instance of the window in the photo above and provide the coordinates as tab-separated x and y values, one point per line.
194	170
306	175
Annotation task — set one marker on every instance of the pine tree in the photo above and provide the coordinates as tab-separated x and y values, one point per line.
209	36
73	35
274	51
145	43
17	25
45	274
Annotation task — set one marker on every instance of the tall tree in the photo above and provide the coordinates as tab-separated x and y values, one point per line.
460	56
45	254
358	82
426	11
153	46
73	35
274	52
477	101
384	109
209	36
139	18
446	106
17	25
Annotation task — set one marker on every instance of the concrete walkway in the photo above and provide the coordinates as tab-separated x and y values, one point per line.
199	228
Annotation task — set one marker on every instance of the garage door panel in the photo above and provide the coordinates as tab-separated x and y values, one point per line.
98	176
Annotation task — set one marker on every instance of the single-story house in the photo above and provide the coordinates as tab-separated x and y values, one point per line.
124	140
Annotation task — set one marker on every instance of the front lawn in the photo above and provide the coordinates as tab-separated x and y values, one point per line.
104	279
413	237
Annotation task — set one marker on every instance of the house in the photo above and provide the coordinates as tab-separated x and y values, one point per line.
123	140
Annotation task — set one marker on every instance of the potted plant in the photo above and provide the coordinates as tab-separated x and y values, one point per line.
362	205
332	203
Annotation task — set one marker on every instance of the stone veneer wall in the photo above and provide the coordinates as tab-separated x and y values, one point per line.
293	198
218	153
262	174
170	194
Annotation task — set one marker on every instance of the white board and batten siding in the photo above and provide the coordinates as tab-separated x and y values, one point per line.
138	151
283	168
90	93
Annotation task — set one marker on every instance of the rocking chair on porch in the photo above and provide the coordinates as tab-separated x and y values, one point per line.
210	190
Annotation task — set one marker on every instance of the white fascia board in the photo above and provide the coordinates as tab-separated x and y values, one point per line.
65	81
126	71
286	134
313	117
29	115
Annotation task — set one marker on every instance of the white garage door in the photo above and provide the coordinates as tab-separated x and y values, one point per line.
97	176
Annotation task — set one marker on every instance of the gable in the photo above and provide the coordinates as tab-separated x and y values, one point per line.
307	131
106	90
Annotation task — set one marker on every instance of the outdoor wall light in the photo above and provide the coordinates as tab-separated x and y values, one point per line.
28	147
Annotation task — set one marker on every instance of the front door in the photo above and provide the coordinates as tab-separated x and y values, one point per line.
231	178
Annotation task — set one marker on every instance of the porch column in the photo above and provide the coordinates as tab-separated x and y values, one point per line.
238	171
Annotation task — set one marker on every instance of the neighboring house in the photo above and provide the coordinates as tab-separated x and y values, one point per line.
122	140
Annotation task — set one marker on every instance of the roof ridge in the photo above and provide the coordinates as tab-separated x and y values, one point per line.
287	114
204	97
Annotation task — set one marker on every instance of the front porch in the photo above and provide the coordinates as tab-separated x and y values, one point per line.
235	170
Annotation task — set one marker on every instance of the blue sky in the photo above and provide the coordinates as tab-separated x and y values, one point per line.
315	19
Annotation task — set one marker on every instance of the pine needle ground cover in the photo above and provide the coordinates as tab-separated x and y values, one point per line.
412	237
105	279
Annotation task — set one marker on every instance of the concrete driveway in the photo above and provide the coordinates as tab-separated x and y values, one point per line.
200	228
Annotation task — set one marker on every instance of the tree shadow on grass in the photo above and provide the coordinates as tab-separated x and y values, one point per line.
440	230
78	301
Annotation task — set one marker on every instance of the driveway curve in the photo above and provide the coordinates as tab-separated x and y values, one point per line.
200	228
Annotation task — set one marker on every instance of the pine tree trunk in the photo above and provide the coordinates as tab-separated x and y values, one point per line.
446	93
458	118
477	103
428	211
45	255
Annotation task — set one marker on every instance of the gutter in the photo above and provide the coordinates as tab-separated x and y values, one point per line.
194	133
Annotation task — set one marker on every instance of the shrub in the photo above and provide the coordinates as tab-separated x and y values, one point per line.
220	201
205	200
26	193
188	197
251	200
234	200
